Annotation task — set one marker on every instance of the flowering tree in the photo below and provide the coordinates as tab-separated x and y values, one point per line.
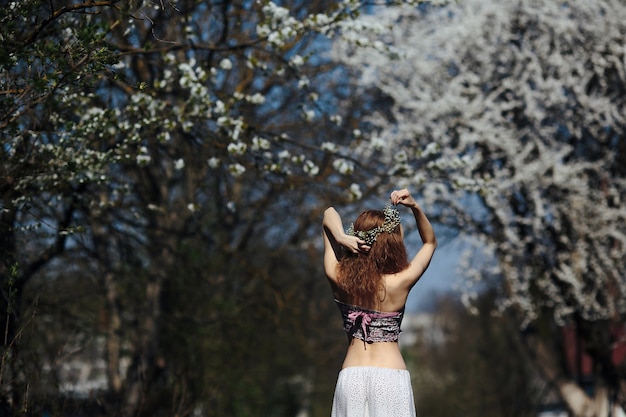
130	129
510	117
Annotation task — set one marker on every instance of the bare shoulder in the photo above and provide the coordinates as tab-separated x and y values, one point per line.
404	280
396	291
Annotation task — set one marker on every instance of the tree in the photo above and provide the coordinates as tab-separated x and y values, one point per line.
471	364
510	116
132	134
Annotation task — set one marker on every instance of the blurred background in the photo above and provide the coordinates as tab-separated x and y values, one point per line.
165	165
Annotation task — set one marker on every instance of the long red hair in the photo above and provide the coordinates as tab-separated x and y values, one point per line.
360	275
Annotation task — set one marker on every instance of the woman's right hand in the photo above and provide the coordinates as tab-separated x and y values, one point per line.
403	197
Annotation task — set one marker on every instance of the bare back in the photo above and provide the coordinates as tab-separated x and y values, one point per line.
381	354
397	286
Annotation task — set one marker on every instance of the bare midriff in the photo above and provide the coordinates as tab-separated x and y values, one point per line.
379	354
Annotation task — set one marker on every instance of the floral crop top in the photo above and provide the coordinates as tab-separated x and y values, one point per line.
370	325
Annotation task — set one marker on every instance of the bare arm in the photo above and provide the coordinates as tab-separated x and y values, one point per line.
335	239
422	258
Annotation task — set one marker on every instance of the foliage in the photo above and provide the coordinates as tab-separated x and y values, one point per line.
472	364
514	101
152	153
510	117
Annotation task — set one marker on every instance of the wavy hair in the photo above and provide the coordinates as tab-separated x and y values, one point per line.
360	275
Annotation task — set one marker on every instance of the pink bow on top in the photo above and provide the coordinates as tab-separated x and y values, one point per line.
366	318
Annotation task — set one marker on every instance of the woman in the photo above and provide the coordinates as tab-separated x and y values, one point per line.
370	275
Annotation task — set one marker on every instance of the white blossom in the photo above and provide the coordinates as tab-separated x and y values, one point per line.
355	192
303	82
226	64
214	162
219	108
336	119
507	117
143	157
377	143
309	114
259	143
256	98
344	166
310	168
401	156
329	147
297	61
237	148
236	169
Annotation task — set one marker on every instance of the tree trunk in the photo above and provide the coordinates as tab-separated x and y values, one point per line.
113	344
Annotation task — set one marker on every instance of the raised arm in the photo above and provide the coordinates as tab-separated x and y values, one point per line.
335	240
422	258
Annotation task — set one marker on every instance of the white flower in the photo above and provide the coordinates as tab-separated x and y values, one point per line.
236	169
355	192
274	38
260	143
320	19
273	167
430	149
143	158
329	147
214	162
219	107
257	98
226	64
263	30
237	148
276	13
377	143
179	164
336	119
164	136
310	168
308	114
401	156
303	82
284	154
297	61
344	166
67	33
170	58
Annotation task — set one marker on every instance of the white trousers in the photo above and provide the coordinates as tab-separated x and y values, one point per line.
364	391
